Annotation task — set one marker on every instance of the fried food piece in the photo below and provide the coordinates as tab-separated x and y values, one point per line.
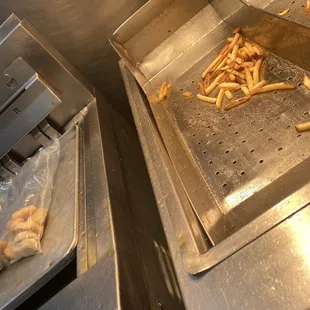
256	71
3	245
273	87
26	235
228	94
24	213
284	12
29	225
39	216
219	99
249	79
12	224
303	127
307	7
237	102
206	99
306	81
25	248
187	94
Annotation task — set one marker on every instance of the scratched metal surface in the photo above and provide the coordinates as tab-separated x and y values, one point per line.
296	9
245	149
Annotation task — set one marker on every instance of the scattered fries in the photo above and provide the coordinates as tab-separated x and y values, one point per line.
303	127
187	94
284	12
234	76
306	81
206	99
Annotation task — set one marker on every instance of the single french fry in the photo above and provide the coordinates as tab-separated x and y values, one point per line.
306	81
257	50
187	94
239	60
236	73
206	99
219	99
303	127
225	68
213	63
248	77
245	90
232	77
273	87
236	30
165	92
240	41
249	48
228	94
222	64
234	41
284	12
234	54
247	64
307	7
162	90
229	85
201	88
256	71
258	86
230	39
237	102
251	69
213	84
240	80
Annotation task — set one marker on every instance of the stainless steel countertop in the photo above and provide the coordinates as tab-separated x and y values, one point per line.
273	272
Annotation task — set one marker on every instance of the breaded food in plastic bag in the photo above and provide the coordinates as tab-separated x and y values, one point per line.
28	196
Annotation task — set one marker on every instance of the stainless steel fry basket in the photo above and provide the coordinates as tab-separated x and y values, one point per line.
244	170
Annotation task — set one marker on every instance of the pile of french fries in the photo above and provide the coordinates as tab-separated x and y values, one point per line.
234	76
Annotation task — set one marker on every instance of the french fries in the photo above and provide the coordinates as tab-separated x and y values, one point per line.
206	99
219	99
273	87
237	102
307	7
187	94
256	71
303	127
306	81
228	94
284	12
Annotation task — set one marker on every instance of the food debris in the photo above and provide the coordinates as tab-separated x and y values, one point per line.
284	12
306	81
307	7
187	94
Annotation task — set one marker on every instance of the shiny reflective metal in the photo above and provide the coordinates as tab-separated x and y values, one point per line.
14	81
10	164
35	102
244	171
79	30
22	279
23	47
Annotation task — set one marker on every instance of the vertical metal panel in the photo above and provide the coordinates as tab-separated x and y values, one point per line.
79	30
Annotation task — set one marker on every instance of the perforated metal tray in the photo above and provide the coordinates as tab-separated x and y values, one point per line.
243	170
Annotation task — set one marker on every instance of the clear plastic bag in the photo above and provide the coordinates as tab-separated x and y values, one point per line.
24	203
